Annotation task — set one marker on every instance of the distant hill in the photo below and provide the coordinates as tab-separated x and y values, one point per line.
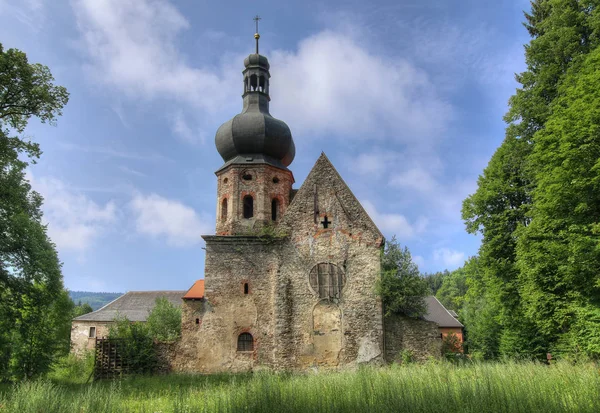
95	300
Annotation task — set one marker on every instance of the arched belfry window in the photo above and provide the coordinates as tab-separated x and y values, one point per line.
245	342
248	206
274	209
253	82
224	210
261	84
327	280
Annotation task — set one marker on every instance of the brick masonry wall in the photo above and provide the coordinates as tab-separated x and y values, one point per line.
262	187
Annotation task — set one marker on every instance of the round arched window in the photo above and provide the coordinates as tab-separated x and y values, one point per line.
245	342
327	280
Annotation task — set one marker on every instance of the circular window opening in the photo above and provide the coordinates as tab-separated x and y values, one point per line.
247	177
275	180
225	180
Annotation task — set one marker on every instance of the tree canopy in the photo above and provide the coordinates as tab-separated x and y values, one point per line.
34	306
536	204
401	286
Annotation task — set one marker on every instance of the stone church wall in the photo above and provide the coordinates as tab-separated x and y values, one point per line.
339	332
210	327
420	337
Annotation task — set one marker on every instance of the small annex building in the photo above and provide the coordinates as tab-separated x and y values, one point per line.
135	305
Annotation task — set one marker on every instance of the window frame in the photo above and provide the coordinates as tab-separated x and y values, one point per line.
92	328
242	343
327	280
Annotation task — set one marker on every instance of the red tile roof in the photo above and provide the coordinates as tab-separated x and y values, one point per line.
196	292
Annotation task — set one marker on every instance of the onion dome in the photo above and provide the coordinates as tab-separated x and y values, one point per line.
254	136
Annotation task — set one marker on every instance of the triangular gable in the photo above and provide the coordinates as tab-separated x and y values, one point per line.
324	176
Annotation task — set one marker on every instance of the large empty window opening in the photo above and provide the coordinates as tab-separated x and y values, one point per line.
224	210
245	342
92	332
248	206
274	209
328	280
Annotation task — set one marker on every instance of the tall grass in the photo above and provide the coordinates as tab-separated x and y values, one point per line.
502	387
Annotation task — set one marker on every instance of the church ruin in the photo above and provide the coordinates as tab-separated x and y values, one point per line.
290	275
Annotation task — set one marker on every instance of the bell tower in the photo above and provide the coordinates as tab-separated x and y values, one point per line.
254	183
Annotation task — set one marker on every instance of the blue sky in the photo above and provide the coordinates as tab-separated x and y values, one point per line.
406	98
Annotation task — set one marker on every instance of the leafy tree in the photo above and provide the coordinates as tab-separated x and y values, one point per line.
559	252
401	287
81	309
563	32
34	309
436	280
453	289
164	321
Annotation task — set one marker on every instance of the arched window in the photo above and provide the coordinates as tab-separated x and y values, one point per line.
274	209
245	342
248	206
253	82
224	210
261	84
328	280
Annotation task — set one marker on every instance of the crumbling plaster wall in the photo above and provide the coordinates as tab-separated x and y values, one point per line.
80	331
226	311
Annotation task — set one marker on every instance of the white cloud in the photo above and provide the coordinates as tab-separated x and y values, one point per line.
160	217
419	260
333	84
450	258
132	171
416	178
131	46
74	220
182	129
28	12
395	224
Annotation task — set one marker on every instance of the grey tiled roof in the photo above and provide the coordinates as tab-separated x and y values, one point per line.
135	305
437	313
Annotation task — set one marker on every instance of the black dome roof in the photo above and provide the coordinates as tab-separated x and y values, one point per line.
254	135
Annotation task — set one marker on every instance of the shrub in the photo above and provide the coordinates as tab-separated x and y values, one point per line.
138	346
73	368
164	321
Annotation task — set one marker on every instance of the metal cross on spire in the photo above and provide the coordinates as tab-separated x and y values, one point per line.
256	35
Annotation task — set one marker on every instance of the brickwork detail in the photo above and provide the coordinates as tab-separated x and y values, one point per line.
265	184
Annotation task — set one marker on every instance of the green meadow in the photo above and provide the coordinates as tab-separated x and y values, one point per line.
434	387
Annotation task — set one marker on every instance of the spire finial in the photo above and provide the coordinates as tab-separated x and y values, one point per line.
256	35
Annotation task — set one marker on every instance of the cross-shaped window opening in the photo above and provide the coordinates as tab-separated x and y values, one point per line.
325	222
